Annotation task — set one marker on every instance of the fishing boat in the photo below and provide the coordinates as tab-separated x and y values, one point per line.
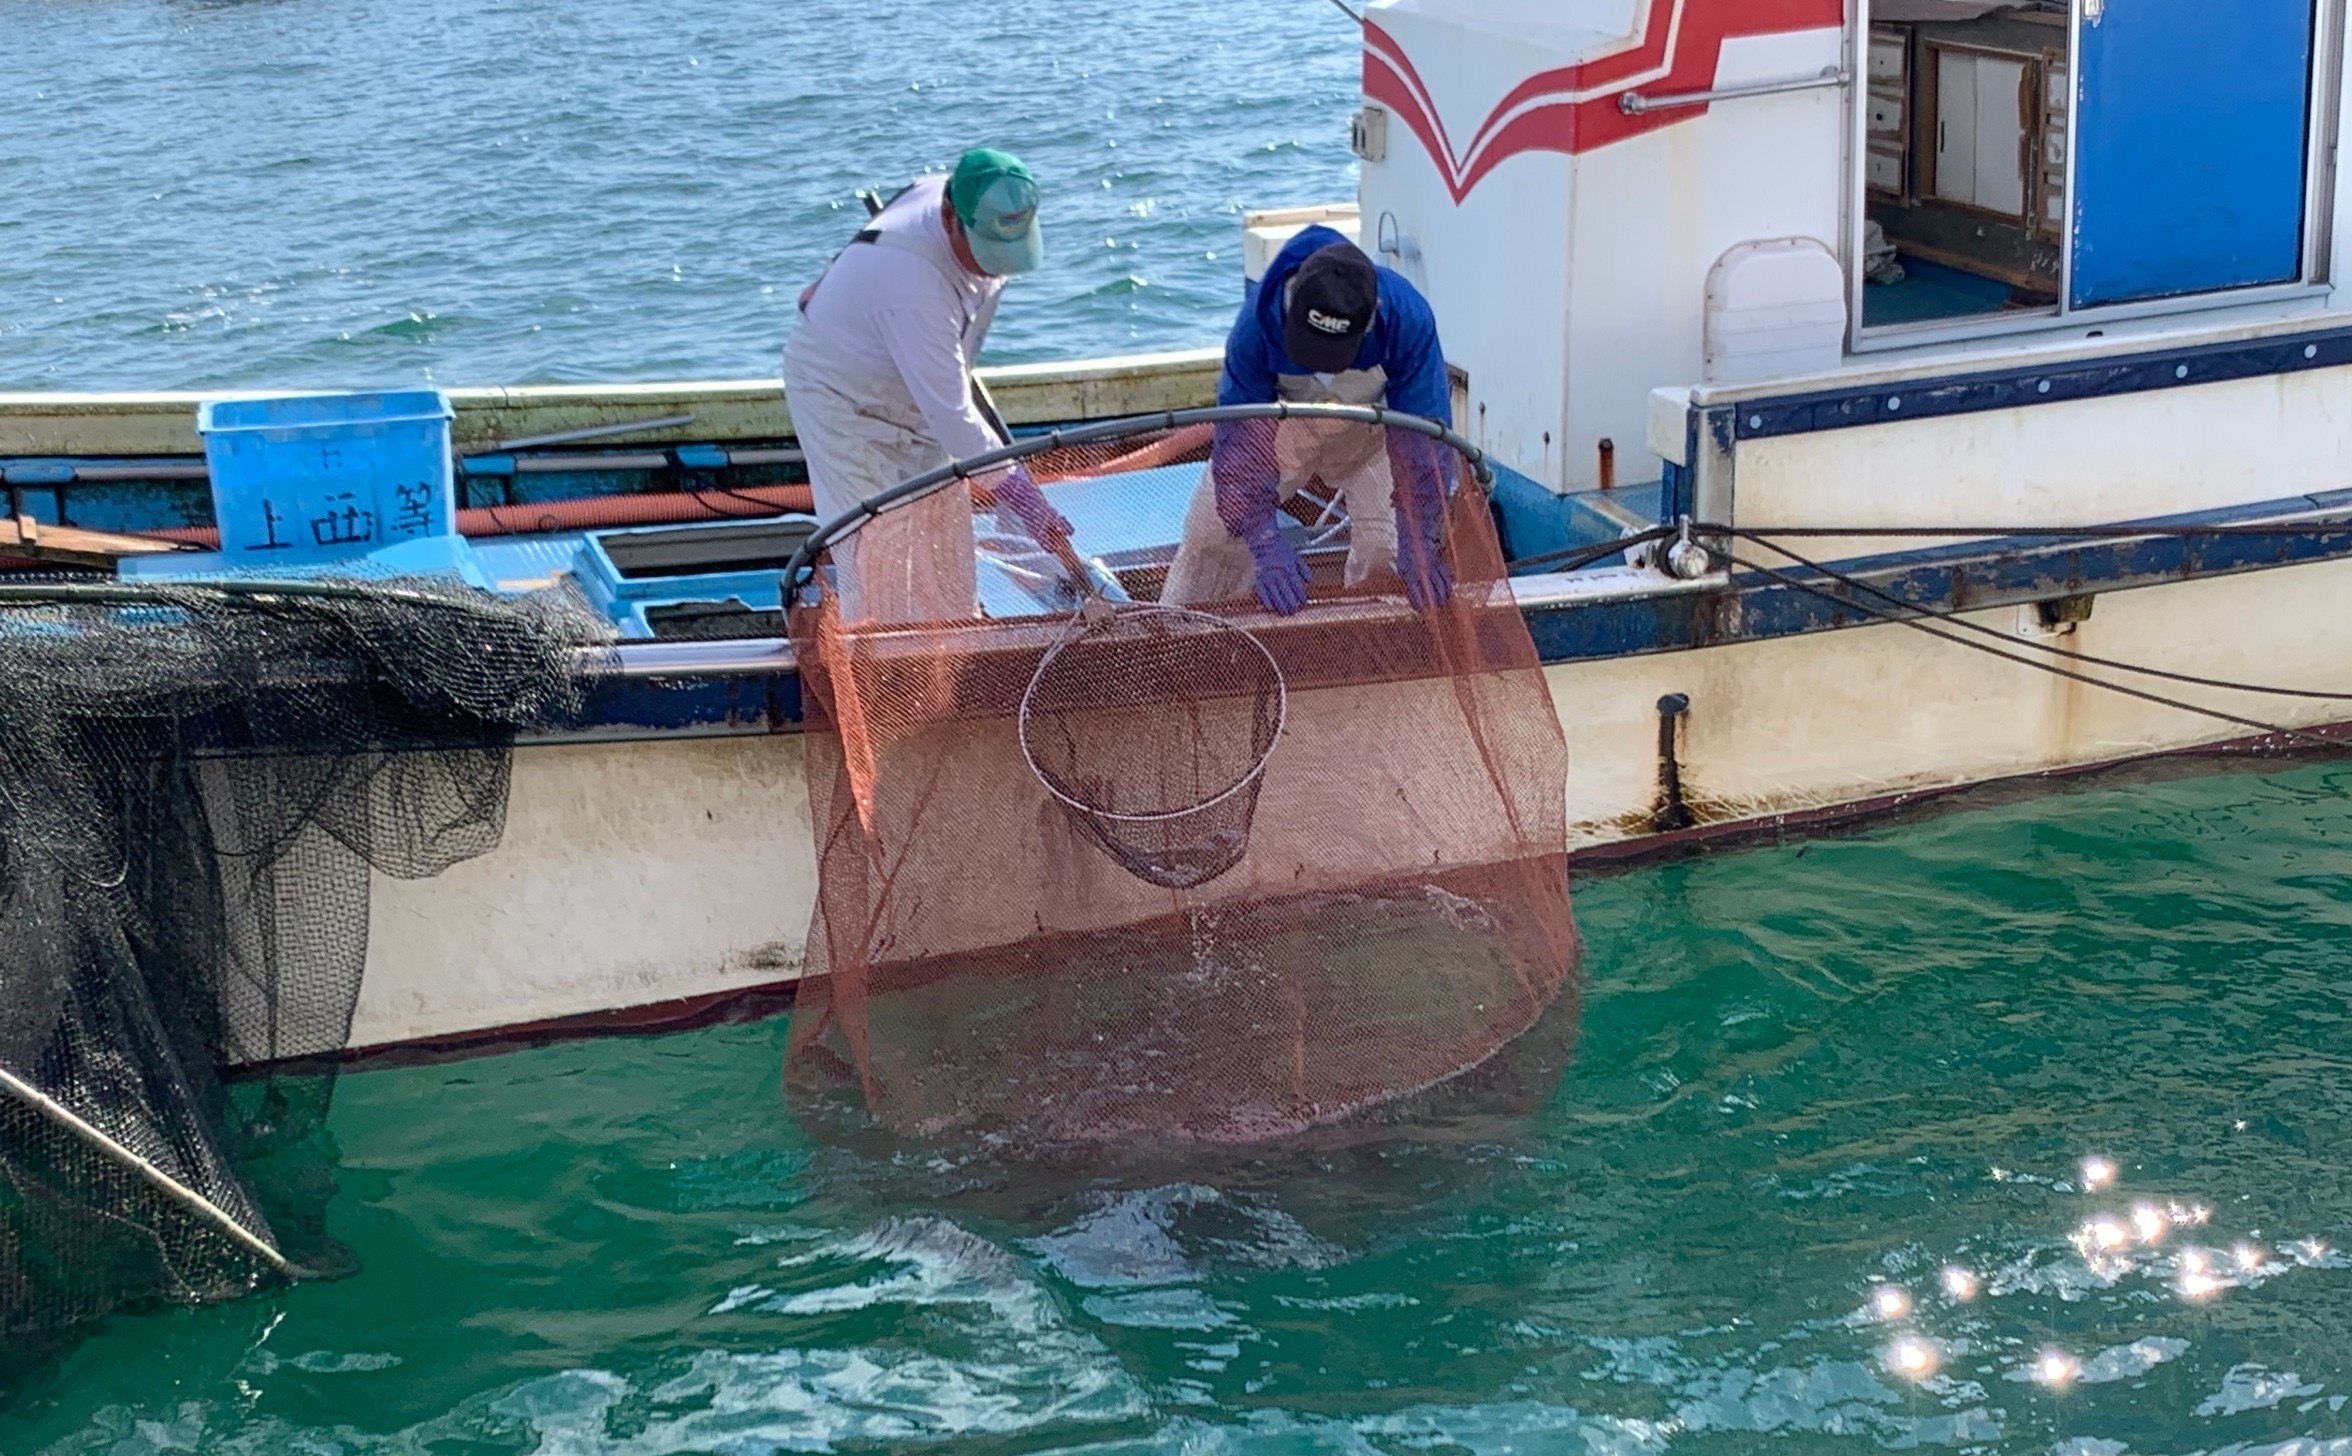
1882	397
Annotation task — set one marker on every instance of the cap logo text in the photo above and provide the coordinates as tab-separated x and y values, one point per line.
1327	323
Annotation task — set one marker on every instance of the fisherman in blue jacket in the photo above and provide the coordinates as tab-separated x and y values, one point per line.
1325	325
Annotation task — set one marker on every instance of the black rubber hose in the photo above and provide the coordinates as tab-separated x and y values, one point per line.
959	470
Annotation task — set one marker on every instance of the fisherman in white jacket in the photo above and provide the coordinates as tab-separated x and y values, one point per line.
878	378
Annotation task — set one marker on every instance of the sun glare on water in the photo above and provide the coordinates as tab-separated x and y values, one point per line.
2056	1369
1912	1358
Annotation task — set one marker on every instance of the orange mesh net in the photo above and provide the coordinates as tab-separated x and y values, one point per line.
1208	874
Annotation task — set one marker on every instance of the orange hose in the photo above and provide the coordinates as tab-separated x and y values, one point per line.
593	512
686	507
670	507
1150	457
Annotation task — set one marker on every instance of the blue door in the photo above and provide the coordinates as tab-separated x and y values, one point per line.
2189	146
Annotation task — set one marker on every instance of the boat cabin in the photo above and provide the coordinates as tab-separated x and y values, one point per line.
2192	134
1609	198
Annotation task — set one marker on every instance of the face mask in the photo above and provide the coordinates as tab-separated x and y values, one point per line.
1325	379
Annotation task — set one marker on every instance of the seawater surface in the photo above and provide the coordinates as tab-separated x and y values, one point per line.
1813	1078
323	193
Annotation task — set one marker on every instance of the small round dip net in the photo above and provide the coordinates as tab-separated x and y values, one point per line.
1153	725
1182	868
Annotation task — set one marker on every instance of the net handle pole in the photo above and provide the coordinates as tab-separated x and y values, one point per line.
848	522
172	1188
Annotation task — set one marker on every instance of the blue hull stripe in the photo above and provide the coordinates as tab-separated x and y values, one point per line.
1995	389
1971	576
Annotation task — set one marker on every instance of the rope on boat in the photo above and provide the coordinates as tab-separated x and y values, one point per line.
1761	539
1920	619
1911	613
2335	525
1575	558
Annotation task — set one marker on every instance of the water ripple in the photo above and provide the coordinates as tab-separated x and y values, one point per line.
434	160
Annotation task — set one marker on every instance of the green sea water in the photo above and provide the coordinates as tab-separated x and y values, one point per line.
1812	1078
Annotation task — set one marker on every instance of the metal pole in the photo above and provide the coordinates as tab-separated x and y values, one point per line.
1633	103
171	1187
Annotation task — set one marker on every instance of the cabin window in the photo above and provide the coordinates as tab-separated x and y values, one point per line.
2036	159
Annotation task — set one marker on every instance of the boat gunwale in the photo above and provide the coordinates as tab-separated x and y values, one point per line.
1622	613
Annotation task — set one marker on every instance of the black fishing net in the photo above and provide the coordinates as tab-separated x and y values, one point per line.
196	784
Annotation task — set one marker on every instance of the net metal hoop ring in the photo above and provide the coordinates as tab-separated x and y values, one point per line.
1256	771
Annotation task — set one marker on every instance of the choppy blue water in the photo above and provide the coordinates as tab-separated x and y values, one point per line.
338	192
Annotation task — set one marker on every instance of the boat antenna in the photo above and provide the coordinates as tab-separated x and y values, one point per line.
1349	11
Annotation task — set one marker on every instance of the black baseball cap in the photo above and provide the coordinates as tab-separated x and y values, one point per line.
1333	297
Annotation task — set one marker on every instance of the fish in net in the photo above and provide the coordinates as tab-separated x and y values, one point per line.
1089	882
196	783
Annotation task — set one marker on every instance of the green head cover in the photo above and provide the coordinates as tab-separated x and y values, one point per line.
995	198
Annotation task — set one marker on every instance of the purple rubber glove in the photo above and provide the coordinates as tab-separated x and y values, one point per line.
1417	464
1429	582
1016	492
1282	573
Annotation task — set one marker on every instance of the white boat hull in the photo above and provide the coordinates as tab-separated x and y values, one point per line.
660	873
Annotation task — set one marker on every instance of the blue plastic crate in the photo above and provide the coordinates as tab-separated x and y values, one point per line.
326	477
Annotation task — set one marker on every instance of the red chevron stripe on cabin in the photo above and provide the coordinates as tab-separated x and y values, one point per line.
1575	109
